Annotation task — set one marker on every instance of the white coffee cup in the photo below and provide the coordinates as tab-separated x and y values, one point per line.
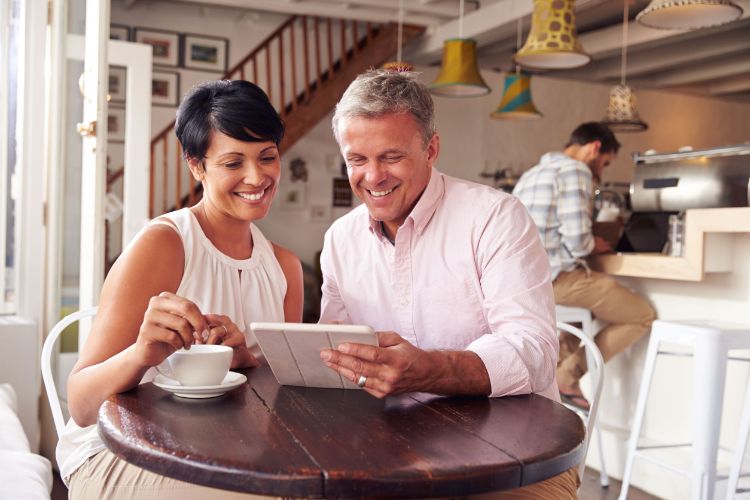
203	364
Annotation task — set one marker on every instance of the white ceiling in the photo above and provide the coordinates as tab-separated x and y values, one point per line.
712	61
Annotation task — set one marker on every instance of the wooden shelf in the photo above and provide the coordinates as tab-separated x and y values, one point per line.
707	249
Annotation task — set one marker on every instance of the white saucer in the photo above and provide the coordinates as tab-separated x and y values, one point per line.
231	381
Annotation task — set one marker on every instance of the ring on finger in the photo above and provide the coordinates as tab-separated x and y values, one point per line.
226	331
362	380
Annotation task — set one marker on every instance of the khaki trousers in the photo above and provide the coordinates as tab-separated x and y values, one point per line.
104	476
628	315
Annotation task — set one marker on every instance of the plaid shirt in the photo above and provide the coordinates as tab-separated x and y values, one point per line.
558	194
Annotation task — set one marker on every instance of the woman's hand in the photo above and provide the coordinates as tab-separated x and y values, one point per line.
224	332
170	323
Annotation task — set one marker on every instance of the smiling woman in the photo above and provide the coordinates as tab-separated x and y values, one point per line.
197	275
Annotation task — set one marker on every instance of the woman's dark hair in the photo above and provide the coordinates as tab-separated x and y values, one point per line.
589	132
236	108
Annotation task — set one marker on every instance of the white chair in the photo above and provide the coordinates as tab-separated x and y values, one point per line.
47	376
583	316
739	452
711	343
596	372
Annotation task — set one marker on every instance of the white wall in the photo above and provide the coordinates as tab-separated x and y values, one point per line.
244	32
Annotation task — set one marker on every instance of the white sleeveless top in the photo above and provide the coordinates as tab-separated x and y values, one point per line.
244	290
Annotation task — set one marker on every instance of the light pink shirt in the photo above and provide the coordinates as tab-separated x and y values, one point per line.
467	272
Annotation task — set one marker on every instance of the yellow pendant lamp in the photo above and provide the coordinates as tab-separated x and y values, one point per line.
622	113
552	41
516	102
398	65
688	14
459	73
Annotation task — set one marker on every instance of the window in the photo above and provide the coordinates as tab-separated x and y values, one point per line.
9	38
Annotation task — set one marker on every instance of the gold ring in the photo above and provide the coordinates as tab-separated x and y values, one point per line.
225	329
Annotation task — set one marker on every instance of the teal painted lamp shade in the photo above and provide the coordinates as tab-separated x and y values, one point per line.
516	102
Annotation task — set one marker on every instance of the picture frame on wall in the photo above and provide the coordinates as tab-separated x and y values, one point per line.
119	32
116	89
342	192
293	196
205	53
165	88
165	44
116	125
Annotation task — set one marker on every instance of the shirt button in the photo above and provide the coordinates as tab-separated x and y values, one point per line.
405	302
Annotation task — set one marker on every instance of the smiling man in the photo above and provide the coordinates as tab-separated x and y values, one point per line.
451	274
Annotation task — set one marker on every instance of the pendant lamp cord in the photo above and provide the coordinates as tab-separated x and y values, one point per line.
461	19
624	42
519	32
400	28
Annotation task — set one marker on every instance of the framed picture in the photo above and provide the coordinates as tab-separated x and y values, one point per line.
320	213
342	192
165	44
205	53
119	32
116	125
165	88
293	196
116	89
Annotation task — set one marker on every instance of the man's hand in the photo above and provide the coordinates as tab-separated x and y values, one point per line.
601	246
396	366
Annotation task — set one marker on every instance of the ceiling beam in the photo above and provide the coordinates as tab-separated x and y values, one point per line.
391	6
702	73
486	25
494	19
338	10
732	86
651	60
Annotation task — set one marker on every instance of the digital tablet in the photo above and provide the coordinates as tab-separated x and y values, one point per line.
293	351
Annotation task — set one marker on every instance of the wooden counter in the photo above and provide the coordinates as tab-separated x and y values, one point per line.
707	249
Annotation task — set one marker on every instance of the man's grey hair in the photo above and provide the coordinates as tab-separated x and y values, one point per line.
380	92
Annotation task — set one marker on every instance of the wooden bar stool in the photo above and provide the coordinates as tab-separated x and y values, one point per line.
583	316
711	343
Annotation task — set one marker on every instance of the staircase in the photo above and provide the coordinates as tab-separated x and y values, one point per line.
304	67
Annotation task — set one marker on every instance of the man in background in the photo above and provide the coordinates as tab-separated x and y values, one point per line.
451	274
558	193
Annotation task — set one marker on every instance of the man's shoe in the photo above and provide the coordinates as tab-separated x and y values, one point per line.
576	400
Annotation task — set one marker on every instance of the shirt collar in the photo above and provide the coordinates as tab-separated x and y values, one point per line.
555	156
423	210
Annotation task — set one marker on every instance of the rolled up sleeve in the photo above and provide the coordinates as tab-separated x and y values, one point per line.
520	353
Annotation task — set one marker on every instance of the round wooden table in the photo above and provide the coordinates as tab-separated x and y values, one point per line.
334	443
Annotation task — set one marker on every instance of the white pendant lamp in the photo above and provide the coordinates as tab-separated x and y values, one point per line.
688	14
622	113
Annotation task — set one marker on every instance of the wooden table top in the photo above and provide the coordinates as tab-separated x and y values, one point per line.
335	443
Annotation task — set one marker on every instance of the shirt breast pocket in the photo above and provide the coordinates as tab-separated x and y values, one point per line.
449	315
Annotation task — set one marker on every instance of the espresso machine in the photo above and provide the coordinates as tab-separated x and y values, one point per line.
669	183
